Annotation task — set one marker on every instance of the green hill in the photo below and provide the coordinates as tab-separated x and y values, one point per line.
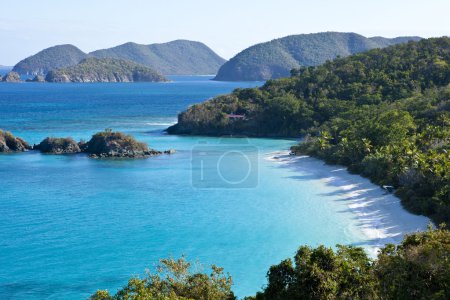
384	113
56	57
104	70
180	57
277	58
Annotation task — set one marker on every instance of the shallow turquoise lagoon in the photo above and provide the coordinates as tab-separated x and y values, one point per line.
70	225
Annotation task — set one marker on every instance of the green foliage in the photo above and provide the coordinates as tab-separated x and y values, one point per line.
321	273
418	268
277	58
110	141
384	113
104	70
174	280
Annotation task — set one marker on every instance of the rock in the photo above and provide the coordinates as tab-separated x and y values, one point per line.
58	146
170	151
116	144
11	77
10	143
37	78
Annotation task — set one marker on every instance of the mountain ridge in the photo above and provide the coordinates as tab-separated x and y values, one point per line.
55	57
178	57
276	58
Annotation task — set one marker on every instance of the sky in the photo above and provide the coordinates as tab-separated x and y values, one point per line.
226	26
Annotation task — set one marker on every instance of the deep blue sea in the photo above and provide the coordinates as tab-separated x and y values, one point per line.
70	225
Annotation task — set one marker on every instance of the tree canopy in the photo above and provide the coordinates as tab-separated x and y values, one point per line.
384	114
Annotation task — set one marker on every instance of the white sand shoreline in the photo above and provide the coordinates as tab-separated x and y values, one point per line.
381	217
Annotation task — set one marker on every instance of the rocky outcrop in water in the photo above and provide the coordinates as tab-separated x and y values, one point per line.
37	78
58	146
104	144
116	144
11	77
10	143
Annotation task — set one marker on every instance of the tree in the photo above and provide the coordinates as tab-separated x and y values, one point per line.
175	281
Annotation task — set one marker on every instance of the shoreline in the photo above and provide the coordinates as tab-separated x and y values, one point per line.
380	216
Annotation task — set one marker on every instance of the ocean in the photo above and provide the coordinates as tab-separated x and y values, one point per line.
70	225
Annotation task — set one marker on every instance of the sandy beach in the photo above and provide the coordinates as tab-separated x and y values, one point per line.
381	217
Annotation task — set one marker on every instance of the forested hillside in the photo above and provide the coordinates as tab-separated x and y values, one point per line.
385	114
55	57
105	70
180	57
278	57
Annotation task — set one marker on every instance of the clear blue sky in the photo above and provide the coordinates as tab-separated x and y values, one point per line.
227	26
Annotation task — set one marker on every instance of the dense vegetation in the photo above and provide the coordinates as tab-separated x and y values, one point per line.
278	57
174	280
10	143
55	57
180	57
418	268
110	143
384	114
104	70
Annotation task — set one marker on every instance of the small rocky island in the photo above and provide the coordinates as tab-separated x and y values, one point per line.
104	144
10	77
58	146
105	70
9	143
117	144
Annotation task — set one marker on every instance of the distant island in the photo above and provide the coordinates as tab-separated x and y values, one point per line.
50	59
105	70
383	113
180	57
278	57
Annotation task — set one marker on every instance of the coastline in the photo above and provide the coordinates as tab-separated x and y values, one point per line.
380	215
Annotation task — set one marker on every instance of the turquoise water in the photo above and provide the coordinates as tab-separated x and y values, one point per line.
70	225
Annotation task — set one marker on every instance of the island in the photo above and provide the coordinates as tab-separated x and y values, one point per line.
179	57
58	146
52	58
9	143
11	77
104	144
105	70
117	144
